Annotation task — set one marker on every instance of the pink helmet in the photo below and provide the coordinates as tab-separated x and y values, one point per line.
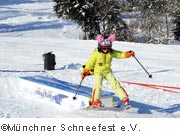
102	41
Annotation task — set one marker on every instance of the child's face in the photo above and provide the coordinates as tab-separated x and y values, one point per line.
105	49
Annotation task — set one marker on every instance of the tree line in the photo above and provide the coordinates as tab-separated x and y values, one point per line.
149	21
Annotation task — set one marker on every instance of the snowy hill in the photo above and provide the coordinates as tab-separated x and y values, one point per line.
29	28
13	2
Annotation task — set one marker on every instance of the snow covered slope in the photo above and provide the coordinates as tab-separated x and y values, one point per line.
28	30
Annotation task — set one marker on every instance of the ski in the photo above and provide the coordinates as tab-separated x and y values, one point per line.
103	108
109	108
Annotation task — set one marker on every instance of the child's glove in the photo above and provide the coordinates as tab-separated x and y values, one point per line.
129	53
85	73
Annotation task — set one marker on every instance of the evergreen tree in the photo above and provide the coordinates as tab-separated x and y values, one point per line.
175	13
111	21
156	16
152	12
176	30
94	16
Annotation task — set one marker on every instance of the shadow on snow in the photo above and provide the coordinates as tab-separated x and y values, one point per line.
32	26
147	108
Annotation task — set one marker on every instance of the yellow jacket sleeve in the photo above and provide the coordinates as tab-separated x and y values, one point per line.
118	54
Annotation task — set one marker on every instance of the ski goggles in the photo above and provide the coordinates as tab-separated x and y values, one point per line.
105	47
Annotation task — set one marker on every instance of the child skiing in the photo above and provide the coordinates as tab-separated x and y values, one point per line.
100	62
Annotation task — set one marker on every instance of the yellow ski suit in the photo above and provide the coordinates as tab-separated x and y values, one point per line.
101	64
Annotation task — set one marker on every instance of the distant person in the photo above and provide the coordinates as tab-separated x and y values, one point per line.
100	62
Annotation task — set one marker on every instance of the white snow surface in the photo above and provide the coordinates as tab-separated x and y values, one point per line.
29	29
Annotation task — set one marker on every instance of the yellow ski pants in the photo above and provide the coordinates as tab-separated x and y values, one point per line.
96	93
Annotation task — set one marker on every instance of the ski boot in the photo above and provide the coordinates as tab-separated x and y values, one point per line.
96	104
126	104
